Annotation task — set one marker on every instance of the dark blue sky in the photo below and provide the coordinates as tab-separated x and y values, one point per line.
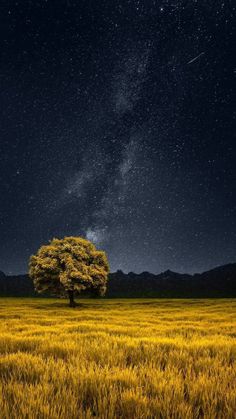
117	123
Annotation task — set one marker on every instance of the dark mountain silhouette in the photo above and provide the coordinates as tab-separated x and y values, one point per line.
218	282
16	286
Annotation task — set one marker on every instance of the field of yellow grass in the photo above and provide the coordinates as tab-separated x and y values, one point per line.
117	359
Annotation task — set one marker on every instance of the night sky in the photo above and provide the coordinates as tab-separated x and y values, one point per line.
117	124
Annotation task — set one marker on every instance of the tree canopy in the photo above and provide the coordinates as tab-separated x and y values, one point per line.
68	267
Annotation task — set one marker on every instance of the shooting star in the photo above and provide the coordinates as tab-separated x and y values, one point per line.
196	58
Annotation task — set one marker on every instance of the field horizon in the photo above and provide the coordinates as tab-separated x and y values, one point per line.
219	282
117	358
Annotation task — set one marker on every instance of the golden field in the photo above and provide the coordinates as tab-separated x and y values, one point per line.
117	359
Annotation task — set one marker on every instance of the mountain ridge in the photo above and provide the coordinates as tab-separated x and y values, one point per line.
217	282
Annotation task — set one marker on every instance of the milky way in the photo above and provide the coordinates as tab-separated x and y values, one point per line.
118	124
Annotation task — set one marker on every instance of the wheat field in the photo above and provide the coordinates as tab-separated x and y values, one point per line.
117	359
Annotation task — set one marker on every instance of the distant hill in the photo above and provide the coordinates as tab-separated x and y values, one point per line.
218	282
16	286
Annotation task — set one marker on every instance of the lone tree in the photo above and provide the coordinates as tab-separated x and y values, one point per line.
69	266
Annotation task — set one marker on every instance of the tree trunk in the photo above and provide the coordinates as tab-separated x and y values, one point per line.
71	298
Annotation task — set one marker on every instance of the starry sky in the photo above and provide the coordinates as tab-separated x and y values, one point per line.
117	124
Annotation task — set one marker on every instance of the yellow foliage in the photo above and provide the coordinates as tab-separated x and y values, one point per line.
72	264
117	359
